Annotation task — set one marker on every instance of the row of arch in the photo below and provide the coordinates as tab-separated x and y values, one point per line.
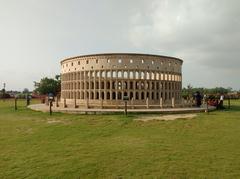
119	85
121	74
119	95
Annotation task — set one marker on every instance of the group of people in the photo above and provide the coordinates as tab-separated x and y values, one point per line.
218	103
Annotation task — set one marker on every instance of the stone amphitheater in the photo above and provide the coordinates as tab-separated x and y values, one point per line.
106	80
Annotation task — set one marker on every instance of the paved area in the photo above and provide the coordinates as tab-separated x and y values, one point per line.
45	108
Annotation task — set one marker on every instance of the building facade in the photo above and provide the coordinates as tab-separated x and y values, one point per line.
102	81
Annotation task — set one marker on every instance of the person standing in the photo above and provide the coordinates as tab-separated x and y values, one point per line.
221	102
198	99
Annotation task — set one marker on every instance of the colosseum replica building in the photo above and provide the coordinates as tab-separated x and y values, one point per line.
107	80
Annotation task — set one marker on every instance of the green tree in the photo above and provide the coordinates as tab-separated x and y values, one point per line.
25	91
49	85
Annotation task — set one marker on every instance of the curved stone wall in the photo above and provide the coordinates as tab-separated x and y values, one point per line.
101	80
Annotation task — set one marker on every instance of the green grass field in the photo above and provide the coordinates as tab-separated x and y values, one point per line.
36	145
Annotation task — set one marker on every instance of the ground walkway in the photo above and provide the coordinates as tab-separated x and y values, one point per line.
45	108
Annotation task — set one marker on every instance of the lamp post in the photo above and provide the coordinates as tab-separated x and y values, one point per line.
50	99
15	102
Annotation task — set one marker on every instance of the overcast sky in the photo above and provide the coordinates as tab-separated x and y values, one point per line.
35	35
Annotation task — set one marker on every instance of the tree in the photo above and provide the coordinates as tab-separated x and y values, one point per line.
25	91
49	85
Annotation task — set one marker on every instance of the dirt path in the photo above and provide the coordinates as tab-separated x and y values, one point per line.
170	117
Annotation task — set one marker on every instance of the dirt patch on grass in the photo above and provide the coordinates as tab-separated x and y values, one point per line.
55	121
170	117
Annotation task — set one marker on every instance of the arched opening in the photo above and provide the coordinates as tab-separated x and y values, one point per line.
125	85
113	95
87	85
148	76
137	85
157	76
148	95
103	74
131	85
119	74
114	74
137	75
137	96
153	97
125	74
152	76
125	94
109	74
98	74
92	85
153	86
97	85
142	95
119	85
102	95
97	95
108	95
113	85
92	95
82	85
119	95
131	95
102	85
147	85
131	75
108	85
142	85
142	75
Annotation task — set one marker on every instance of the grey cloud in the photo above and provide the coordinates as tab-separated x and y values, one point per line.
36	35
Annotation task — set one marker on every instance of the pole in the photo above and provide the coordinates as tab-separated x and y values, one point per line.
28	100
228	102
207	108
50	108
125	109
15	104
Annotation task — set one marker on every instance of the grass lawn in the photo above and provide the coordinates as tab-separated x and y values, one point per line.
36	145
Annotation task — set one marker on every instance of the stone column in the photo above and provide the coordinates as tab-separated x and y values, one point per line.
111	85
147	103
101	103
89	85
64	103
94	83
134	90
75	100
132	103
85	85
173	102
99	85
161	102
